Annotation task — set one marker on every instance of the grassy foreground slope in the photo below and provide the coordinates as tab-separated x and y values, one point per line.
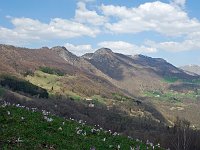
23	128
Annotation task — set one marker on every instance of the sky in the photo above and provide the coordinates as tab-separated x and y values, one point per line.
168	29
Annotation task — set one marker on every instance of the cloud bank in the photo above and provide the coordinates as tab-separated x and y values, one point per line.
166	19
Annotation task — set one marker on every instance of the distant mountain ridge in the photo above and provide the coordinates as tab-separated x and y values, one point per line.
135	73
192	68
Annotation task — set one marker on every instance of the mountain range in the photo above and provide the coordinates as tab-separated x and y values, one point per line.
133	74
131	94
103	73
192	69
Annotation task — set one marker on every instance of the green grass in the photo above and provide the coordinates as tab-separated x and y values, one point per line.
75	97
170	79
121	97
98	99
150	94
175	79
195	81
171	96
50	70
34	132
2	91
45	80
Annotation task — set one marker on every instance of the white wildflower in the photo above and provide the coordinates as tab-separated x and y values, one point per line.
132	148
8	112
93	130
115	133
84	134
19	140
48	119
110	146
79	132
77	128
60	128
158	145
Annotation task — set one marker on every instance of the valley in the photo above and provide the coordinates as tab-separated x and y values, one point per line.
136	95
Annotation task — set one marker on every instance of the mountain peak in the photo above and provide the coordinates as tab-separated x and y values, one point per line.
65	54
62	49
56	48
104	51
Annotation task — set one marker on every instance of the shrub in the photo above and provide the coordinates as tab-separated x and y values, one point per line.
75	97
28	73
2	91
171	79
120	97
20	85
52	71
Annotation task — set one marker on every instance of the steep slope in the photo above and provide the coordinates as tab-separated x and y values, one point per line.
136	73
140	89
19	61
51	132
76	61
77	81
161	67
104	59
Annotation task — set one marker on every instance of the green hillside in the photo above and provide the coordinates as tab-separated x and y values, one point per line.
23	128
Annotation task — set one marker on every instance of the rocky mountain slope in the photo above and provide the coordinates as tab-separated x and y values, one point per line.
136	73
132	74
147	90
20	61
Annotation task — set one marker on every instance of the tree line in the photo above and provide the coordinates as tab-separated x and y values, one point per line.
19	85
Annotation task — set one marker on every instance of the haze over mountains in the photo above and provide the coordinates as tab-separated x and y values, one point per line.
192	68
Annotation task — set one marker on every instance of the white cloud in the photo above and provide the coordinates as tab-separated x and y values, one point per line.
115	46
26	29
125	47
155	16
168	19
86	1
79	49
180	3
194	35
186	45
84	15
8	36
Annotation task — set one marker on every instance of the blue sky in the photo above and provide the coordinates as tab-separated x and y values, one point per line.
169	29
